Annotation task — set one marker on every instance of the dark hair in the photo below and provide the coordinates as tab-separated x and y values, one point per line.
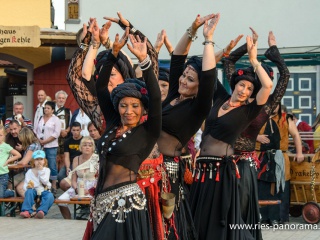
123	65
51	104
14	121
91	124
75	124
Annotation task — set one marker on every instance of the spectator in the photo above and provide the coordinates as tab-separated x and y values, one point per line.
5	159
30	144
64	114
48	131
42	98
37	184
12	138
18	109
71	150
82	118
85	168
304	127
94	133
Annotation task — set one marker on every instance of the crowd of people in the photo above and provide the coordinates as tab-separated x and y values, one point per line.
163	153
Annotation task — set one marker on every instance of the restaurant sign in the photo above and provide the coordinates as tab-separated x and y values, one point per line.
16	36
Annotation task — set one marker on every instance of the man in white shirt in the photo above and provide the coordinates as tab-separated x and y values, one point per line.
64	115
42	98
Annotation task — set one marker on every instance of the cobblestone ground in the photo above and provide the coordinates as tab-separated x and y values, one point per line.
55	227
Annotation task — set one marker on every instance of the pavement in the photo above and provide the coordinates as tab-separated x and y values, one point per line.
54	227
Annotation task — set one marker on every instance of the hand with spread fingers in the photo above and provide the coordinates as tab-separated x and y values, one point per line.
119	42
138	47
123	23
232	44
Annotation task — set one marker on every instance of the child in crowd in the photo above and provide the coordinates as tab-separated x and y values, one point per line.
5	151
36	183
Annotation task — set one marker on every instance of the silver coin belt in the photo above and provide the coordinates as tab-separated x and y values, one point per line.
172	170
119	202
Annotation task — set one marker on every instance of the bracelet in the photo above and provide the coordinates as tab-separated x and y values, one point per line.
145	61
96	45
208	42
107	44
143	68
190	35
225	54
256	66
84	46
171	53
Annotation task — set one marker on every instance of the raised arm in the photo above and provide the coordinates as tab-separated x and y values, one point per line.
273	55
230	62
84	97
123	23
266	83
139	49
225	52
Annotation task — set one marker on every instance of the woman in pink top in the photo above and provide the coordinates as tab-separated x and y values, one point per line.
48	131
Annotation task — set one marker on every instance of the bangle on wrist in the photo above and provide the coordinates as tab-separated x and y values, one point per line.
192	37
208	42
107	44
145	64
84	46
224	53
96	45
256	66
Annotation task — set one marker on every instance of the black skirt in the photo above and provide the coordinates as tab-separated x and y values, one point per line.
183	228
215	202
249	202
135	224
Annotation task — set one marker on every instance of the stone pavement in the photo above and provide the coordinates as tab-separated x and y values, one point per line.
54	227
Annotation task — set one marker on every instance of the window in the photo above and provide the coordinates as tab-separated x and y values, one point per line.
73	9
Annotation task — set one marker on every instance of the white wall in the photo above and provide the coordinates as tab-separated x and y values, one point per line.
294	22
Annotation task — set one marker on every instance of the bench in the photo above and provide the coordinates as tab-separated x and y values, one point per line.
77	202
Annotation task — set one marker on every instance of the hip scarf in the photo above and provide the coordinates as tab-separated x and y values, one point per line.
119	202
149	175
248	156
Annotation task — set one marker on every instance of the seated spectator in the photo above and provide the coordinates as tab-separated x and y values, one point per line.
18	109
82	118
30	144
85	169
71	150
37	185
5	151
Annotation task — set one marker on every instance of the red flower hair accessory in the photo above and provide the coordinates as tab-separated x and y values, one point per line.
240	72
95	61
143	91
271	74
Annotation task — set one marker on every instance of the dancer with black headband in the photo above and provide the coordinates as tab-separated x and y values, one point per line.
214	193
119	207
244	147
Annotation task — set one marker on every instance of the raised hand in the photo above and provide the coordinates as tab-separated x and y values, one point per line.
252	48
104	32
209	27
271	39
160	41
119	42
199	21
138	47
255	35
232	44
123	23
95	32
